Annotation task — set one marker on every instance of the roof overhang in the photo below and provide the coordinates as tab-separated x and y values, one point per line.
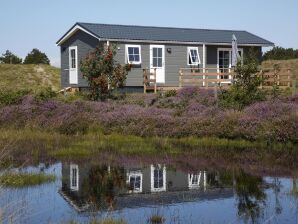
72	31
78	27
184	42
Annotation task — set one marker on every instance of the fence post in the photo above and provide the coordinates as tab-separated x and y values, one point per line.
294	86
261	74
289	78
216	94
144	79
204	76
155	85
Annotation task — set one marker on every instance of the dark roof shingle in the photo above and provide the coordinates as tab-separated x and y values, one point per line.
149	33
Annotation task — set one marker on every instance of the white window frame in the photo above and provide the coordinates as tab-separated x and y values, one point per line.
192	185
159	189
127	56
74	166
190	58
135	174
230	57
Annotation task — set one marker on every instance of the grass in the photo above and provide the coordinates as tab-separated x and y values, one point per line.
291	64
20	77
156	219
24	179
36	144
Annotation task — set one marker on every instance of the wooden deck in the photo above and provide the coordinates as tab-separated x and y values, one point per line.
212	78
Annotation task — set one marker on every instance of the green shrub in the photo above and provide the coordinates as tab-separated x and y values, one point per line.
245	90
237	98
44	94
8	97
170	93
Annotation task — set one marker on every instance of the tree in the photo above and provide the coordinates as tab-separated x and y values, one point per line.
10	58
102	72
245	89
279	53
36	57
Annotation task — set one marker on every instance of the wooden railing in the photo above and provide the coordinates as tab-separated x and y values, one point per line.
207	77
204	77
149	80
282	78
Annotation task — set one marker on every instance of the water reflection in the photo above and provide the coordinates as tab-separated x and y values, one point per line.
134	191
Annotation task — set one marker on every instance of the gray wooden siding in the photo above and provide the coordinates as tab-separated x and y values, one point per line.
85	43
173	61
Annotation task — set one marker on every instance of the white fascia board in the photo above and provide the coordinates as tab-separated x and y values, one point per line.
180	42
73	31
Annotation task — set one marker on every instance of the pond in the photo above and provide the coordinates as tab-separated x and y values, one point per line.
137	190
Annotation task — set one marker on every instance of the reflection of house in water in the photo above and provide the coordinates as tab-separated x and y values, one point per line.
121	187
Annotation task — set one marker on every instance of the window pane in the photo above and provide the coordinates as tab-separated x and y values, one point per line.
154	62
159	52
220	54
137	58
131	58
130	50
226	54
136	50
194	53
159	62
154	52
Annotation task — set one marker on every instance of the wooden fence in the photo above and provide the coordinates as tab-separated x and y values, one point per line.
283	78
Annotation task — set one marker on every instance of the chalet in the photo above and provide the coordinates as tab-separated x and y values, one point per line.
163	51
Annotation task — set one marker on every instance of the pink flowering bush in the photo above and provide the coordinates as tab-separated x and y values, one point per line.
190	112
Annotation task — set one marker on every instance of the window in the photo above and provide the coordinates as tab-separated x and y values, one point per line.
73	57
158	178
133	54
225	61
193	57
194	180
74	177
157	57
135	181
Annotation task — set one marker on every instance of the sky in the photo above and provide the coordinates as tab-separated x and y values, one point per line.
28	24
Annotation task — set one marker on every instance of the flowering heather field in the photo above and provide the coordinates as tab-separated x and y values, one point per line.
191	112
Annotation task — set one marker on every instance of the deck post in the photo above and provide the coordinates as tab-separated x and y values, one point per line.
155	85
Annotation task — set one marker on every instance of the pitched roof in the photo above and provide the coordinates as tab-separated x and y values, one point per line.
169	34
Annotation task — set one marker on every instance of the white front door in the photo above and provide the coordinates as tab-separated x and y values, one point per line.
157	60
73	65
